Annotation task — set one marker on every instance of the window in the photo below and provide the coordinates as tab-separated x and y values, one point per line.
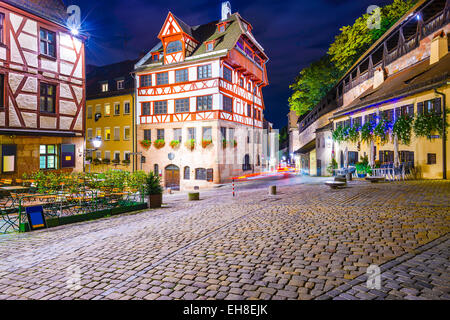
126	155
156	169
117	155
107	134
221	28
227	74
116	133
200	174
146	81
249	110
352	157
191	134
241	82
210	46
147	134
246	166
146	109
47	98
160	107
182	105
155	56
204	72
105	87
204	103
162	78
209	175
160	134
177	135
98	109
249	87
231	133
98	132
120	84
48	157
431	158
89	133
89	112
2	27
117	109
2	91
357	122
207	133
187	173
107	110
181	75
174	46
108	155
126	108
126	133
227	104
98	155
48	43
223	133
429	106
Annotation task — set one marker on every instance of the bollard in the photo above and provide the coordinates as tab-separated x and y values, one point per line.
194	196
233	188
273	190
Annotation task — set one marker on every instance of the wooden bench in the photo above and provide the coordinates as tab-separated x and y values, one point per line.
335	184
375	179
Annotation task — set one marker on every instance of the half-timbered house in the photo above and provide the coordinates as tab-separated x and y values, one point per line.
42	89
199	102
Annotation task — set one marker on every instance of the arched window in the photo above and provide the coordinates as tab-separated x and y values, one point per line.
187	173
174	46
246	166
156	169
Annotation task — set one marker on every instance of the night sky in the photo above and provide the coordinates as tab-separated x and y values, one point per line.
293	33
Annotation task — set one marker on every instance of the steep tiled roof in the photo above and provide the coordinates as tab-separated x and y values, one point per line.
53	10
109	73
419	77
208	32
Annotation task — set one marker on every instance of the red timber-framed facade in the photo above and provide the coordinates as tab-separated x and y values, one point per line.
43	90
199	91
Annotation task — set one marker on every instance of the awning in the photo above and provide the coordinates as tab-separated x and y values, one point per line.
307	148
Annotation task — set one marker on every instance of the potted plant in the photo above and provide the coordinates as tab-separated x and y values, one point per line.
159	144
146	144
206	143
153	190
96	161
126	162
174	144
190	144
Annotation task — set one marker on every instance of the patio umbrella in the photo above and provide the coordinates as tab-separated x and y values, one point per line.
396	156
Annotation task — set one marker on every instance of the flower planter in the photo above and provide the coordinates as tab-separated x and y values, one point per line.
155	201
206	143
146	144
194	196
362	175
159	144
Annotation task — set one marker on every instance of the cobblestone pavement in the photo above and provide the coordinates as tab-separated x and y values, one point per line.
307	242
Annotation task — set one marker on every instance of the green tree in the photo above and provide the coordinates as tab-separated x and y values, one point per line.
354	40
312	84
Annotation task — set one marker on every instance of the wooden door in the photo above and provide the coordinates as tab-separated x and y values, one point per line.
172	177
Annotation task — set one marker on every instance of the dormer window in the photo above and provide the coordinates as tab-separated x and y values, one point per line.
105	87
221	27
120	84
209	46
155	56
174	46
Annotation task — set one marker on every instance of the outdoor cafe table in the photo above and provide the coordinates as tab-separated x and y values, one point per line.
14	188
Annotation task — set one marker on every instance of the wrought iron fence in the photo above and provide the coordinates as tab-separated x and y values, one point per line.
61	204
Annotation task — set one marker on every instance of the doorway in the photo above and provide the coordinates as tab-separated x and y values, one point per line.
172	177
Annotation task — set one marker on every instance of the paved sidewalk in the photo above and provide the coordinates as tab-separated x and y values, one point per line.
305	243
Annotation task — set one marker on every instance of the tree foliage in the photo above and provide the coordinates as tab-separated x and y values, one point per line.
316	80
312	84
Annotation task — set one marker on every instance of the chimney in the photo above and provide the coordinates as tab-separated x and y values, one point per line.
439	47
226	10
378	77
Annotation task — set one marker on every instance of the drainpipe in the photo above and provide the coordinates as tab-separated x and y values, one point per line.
444	134
133	122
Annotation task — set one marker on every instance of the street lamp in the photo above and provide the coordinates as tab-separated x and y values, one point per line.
96	143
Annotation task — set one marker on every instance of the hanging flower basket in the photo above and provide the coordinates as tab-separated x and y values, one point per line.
159	144
402	128
206	143
174	144
106	161
367	132
381	131
146	144
428	124
190	144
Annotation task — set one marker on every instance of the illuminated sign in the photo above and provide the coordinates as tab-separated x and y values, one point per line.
36	219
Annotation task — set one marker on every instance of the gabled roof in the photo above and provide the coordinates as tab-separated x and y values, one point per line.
109	73
184	26
224	41
417	78
53	10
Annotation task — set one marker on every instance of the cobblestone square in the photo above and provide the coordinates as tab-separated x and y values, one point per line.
307	242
